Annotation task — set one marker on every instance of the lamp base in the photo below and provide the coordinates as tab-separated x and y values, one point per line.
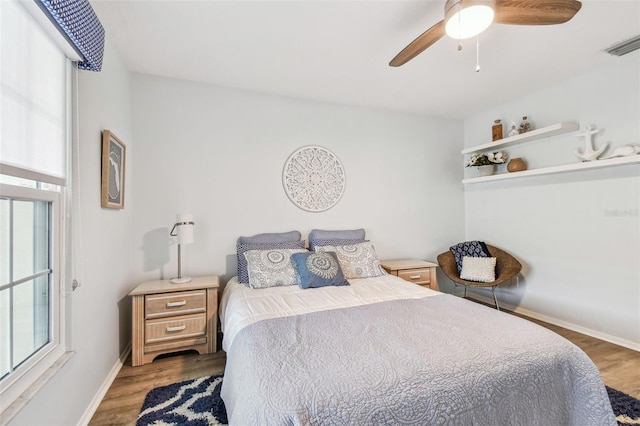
180	280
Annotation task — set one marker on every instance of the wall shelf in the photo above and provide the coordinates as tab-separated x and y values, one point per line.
545	132
558	169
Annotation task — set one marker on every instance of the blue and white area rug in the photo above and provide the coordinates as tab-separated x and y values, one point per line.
625	407
190	403
198	403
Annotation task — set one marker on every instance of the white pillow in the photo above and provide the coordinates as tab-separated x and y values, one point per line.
480	269
356	260
271	268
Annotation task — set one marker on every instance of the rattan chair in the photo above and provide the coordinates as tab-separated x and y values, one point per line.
507	267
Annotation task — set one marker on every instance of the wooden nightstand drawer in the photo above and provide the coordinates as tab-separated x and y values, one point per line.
417	276
415	271
183	327
171	304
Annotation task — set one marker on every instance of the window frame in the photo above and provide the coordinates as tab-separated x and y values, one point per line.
34	368
21	385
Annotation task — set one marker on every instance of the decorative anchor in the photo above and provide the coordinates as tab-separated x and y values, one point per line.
588	154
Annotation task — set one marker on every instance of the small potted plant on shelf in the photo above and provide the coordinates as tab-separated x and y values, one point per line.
486	162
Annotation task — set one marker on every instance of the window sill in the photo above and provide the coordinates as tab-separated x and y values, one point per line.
10	412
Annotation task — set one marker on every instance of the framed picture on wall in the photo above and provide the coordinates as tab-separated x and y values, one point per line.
113	162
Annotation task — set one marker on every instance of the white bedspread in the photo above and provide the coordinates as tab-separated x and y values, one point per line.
242	306
416	361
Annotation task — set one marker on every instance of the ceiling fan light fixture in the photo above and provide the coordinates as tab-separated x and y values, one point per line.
467	18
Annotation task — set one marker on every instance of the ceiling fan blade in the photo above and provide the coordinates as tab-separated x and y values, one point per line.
418	45
535	12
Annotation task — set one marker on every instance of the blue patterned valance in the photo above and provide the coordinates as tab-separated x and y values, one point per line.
78	23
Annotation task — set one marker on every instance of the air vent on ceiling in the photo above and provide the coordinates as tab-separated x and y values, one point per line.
624	47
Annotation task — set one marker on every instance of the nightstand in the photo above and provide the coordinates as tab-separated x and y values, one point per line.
415	271
169	317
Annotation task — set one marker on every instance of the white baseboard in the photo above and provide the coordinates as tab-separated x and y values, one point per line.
579	329
102	391
564	324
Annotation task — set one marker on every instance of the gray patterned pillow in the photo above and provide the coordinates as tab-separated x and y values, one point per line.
271	268
241	248
356	260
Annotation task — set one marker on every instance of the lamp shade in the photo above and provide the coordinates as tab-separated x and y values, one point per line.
467	18
184	228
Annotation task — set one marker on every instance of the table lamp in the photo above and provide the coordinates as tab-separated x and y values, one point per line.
183	229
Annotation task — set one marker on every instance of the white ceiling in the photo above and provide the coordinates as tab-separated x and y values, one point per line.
338	51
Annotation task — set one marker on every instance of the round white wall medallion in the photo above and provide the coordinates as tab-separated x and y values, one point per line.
313	178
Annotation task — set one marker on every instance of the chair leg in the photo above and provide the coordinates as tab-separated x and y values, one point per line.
455	287
465	291
495	299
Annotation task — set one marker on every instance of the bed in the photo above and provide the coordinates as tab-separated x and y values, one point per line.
385	351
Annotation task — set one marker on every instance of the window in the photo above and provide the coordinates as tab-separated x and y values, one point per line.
25	284
34	135
30	274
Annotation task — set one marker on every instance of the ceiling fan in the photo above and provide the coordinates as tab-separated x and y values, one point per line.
467	18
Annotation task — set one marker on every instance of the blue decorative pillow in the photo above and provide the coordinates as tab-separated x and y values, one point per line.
241	248
318	269
333	242
470	249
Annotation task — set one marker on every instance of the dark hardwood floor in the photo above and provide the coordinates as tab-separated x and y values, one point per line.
620	369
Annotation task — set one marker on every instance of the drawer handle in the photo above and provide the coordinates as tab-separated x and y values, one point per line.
176	304
178	328
414	277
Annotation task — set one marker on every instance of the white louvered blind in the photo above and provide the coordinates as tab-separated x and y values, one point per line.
33	114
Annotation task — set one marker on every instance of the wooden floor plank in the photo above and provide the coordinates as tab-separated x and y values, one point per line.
122	402
619	367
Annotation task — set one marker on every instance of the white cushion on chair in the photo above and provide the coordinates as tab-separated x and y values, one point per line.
480	269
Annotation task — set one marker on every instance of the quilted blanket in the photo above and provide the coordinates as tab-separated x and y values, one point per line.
437	360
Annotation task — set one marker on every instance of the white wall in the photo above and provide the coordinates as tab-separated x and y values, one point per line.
99	320
581	258
218	153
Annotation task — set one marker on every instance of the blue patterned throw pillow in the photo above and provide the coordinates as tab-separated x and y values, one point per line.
470	249
318	269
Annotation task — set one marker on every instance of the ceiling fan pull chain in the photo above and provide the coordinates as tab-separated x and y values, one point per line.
459	25
478	53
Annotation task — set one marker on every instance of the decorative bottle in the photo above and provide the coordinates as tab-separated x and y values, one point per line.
513	131
525	126
496	130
